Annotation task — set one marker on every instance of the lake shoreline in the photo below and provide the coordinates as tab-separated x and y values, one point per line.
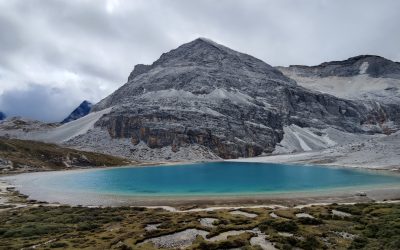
380	195
173	163
356	194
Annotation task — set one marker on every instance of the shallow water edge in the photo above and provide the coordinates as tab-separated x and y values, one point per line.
329	195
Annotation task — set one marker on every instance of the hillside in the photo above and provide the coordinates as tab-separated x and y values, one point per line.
28	156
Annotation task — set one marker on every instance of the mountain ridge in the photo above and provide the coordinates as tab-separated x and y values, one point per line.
198	54
373	65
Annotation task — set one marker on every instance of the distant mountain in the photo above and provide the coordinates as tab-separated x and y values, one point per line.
373	66
82	110
366	77
2	116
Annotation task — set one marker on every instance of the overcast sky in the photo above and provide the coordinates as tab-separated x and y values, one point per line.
55	54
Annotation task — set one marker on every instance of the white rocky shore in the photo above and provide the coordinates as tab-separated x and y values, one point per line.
374	152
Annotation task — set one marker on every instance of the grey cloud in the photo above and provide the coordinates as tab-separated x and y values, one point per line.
38	102
84	44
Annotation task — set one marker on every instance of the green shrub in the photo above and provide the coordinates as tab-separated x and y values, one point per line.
285	226
310	243
371	230
288	242
87	226
236	243
358	243
309	221
34	230
394	243
58	245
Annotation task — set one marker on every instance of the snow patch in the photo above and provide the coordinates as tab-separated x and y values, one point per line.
363	68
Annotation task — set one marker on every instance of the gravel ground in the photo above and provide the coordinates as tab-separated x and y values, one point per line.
179	240
207	222
250	215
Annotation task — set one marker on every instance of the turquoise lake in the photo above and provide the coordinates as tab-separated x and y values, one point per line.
216	178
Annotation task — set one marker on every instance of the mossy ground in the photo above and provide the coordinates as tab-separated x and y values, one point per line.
38	156
374	226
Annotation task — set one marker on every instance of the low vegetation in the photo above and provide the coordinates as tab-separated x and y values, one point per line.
23	156
370	226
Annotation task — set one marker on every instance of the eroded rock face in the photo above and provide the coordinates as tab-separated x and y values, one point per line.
161	129
236	105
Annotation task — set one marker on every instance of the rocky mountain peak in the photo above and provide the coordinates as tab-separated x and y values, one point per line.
83	109
198	51
207	53
198	67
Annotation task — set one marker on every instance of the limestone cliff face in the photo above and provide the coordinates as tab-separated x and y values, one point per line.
203	93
